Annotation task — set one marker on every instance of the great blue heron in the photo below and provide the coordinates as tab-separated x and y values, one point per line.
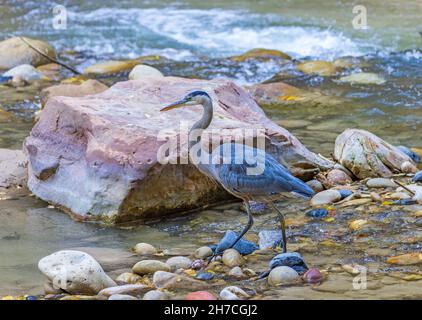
274	180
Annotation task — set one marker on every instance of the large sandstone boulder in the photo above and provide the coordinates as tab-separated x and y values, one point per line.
14	52
96	156
367	155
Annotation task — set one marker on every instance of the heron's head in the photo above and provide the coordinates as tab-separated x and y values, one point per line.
192	98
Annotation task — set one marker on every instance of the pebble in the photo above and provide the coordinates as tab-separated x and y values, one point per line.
417	177
289	259
179	263
236	272
25	72
150	266
345	193
243	246
128	277
376	197
142	71
198	264
363	78
75	272
282	275
313	276
168	280
315	185
357	224
156	295
126	289
410	153
317	213
232	258
144	248
270	239
121	297
338	177
405	202
399	195
380	183
406	259
203	252
200	295
408	167
204	276
325	197
233	293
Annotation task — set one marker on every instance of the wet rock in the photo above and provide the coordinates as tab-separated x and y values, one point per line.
243	246
13	170
87	87
345	193
315	185
156	295
236	272
406	259
380	183
206	276
325	197
203	252
363	78
313	276
319	67
318	213
179	263
413	155
232	258
75	272
376	197
127	289
15	52
121	297
198	264
143	71
270	239
110	67
200	295
368	156
408	167
50	70
150	266
25	72
144	249
117	177
50	289
233	293
261	54
282	275
289	259
357	224
405	202
338	177
417	177
168	280
128	277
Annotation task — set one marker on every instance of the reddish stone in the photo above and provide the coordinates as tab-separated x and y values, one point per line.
200	295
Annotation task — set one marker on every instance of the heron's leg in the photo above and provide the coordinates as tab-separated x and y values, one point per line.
246	229
283	225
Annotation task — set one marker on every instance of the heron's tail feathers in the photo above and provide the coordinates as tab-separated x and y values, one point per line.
5	79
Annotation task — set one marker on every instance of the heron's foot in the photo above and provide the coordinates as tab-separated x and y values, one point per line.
263	275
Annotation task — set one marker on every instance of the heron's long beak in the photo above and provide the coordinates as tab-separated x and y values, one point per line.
175	105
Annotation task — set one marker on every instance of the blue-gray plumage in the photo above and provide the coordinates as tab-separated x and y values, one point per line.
246	172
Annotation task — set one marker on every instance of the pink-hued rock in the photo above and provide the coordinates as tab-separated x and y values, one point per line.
367	155
200	295
96	156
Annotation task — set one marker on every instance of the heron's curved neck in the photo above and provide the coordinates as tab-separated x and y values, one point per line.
202	123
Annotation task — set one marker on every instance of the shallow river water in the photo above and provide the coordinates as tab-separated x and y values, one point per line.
196	37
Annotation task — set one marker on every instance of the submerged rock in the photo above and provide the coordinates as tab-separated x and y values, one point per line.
15	52
232	258
75	272
109	67
243	246
12	168
317	213
366	155
313	276
142	71
144	249
380	183
363	78
282	275
261	54
128	277
179	263
168	280
203	252
233	293
319	67
111	141
156	295
200	295
121	297
127	289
